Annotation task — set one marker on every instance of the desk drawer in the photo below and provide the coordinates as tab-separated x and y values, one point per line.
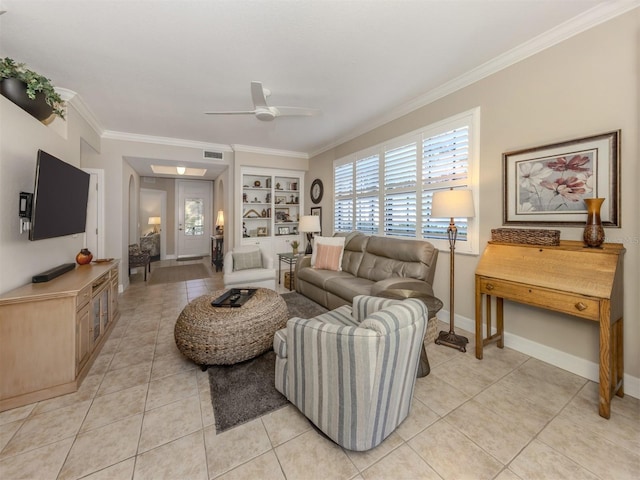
565	302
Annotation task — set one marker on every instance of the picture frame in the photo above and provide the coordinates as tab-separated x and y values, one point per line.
282	214
317	212
547	185
283	231
280	199
262	231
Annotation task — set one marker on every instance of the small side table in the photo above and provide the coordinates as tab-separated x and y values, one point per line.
433	307
217	257
290	259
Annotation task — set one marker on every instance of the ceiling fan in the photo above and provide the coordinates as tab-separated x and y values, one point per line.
264	112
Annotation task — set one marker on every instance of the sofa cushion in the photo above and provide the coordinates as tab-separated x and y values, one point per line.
319	277
386	258
348	286
328	257
247	260
331	241
354	248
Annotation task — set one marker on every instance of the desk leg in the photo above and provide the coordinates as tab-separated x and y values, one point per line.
500	321
279	270
290	276
604	407
619	343
479	336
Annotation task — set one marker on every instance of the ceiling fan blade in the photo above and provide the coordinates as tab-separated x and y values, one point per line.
257	95
248	112
296	111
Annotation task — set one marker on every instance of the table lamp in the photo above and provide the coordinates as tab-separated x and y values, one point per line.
155	221
309	224
452	204
220	223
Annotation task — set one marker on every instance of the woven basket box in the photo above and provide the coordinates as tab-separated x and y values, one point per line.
526	236
289	280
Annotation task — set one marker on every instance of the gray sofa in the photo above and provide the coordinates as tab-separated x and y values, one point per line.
370	265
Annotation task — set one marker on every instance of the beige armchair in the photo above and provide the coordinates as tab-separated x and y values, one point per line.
249	266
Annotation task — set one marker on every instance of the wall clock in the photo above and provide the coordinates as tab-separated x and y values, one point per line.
317	189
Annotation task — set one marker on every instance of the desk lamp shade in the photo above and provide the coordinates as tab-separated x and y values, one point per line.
309	224
452	204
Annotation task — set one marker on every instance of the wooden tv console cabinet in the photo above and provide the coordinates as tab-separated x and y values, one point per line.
50	333
569	278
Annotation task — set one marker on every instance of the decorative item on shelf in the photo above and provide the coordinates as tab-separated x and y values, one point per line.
264	213
256	184
251	214
593	235
262	231
294	246
294	185
29	90
309	224
278	186
244	230
293	199
267	198
268	181
84	257
268	213
155	221
244	198
452	204
255	200
220	223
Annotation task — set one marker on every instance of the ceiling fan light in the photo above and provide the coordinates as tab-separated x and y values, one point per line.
265	114
181	170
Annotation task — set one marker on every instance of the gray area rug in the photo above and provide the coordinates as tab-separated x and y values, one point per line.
244	391
179	273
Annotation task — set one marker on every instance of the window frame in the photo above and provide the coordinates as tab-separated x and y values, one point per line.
469	118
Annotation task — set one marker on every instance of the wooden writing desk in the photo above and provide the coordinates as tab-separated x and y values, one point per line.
569	278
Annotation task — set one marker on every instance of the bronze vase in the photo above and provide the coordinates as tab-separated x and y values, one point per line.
593	235
84	257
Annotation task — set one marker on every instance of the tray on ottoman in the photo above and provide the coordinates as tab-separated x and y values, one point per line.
236	297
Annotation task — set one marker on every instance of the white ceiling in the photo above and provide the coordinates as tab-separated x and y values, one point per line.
151	68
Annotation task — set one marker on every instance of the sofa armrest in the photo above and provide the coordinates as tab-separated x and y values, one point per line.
401	283
304	261
227	266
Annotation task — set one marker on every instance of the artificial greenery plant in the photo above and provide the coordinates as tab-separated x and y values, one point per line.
35	83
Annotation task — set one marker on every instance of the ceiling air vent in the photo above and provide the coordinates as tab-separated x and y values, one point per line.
208	154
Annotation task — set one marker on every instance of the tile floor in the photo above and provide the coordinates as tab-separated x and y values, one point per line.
144	412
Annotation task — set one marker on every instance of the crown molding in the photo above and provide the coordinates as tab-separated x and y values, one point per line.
269	151
574	26
173	142
82	108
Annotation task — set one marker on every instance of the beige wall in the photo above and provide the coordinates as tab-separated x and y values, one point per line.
585	85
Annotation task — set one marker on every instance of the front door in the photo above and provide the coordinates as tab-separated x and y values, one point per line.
194	217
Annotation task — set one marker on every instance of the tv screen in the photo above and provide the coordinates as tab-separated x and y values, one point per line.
60	199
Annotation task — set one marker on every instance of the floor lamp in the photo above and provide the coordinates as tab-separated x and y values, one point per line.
452	204
309	224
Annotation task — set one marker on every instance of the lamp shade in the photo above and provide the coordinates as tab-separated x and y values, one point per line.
220	219
154	221
452	204
309	224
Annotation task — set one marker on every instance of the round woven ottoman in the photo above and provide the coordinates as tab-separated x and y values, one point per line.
223	336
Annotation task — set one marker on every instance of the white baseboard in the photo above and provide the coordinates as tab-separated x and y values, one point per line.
580	366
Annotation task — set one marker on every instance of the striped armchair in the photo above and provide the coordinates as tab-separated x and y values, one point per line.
352	370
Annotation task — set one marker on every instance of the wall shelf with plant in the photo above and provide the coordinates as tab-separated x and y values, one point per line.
29	90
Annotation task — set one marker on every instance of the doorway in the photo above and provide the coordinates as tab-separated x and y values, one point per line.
194	218
153	203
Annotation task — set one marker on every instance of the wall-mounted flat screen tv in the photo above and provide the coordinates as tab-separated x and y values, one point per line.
60	199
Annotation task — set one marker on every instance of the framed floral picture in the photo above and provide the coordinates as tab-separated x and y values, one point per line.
548	184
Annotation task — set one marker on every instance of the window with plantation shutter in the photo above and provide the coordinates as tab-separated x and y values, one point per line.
387	190
343	179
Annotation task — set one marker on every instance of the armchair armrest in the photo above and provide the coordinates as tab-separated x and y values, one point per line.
227	266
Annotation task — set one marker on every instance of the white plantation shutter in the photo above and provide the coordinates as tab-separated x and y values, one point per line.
400	180
445	164
343	208
388	190
367	178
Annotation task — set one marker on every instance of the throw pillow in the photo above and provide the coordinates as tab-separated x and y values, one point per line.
328	257
247	260
317	241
